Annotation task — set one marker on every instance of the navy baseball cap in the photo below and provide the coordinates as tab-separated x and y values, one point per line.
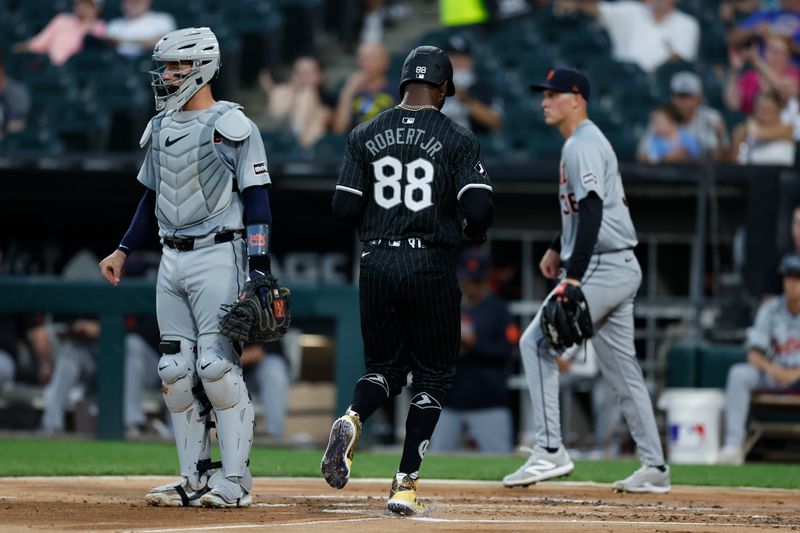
790	265
474	265
565	80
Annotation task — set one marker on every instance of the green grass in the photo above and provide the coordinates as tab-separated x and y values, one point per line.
48	457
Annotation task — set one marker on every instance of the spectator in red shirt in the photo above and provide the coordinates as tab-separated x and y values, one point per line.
63	36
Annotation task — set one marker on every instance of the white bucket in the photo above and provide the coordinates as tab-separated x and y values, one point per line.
693	424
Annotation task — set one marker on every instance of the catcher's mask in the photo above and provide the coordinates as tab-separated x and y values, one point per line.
185	60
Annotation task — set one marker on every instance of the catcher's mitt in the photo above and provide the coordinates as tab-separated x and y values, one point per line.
565	317
261	314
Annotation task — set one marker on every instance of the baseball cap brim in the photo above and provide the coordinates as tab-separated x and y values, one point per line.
539	87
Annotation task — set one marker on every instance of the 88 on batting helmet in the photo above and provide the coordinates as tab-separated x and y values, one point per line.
427	64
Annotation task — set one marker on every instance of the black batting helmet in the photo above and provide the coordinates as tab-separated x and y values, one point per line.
427	64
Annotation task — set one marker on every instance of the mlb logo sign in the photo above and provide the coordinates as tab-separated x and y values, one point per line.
260	168
421	72
687	434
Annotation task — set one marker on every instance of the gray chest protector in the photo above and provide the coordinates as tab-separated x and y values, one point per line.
193	184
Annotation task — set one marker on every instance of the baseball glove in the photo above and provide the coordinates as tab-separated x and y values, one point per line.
261	314
565	317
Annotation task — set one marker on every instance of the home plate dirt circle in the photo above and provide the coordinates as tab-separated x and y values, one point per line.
305	504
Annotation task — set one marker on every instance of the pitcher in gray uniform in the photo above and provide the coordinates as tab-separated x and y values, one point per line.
206	179
595	253
773	359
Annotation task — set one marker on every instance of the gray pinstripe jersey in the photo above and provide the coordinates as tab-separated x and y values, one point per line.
589	164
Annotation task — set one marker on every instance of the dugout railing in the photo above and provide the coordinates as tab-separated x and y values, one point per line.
110	305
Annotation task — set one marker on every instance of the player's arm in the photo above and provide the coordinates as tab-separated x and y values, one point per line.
249	162
348	199
143	222
584	165
474	189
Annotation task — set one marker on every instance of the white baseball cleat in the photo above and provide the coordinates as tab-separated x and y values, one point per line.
226	493
177	494
541	465
731	455
646	479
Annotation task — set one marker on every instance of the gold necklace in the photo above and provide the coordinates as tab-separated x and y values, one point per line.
408	107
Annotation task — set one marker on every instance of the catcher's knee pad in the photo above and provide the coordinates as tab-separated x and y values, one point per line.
189	414
222	378
176	373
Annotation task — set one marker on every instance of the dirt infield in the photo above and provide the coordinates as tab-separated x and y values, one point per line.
290	504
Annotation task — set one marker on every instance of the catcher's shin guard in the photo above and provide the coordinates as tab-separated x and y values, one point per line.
188	406
227	392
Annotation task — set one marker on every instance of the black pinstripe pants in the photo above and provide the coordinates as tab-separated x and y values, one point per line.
410	315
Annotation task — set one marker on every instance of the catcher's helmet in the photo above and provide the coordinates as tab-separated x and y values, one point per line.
427	64
198	46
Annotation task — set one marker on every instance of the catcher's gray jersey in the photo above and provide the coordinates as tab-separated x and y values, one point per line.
589	164
776	333
195	162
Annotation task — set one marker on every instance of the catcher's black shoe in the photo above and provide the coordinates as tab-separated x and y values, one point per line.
338	458
403	496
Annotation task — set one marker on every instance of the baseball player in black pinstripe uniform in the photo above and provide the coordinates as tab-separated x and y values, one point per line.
414	182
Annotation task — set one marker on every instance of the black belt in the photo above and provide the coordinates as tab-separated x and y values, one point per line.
410	243
186	244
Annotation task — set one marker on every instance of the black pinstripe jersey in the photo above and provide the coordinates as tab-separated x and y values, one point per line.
411	168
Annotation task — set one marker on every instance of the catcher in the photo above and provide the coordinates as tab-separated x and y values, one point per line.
206	181
599	280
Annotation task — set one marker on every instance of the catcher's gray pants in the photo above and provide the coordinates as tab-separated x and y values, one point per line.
610	285
491	429
743	379
191	287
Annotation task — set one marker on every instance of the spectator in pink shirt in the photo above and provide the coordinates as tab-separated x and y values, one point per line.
773	72
63	36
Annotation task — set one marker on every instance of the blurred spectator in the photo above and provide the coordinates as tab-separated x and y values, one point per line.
703	122
475	105
141	370
15	102
668	142
367	91
774	72
75	356
763	139
477	403
648	33
28	328
579	372
763	22
137	31
63	37
372	27
266	364
773	359
734	12
300	104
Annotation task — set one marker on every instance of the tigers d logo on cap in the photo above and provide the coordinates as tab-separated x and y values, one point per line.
565	80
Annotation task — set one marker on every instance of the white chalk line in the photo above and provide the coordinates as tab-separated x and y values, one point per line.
592	522
254	526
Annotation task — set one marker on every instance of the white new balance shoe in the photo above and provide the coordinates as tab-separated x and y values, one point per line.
541	465
731	455
646	479
226	493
